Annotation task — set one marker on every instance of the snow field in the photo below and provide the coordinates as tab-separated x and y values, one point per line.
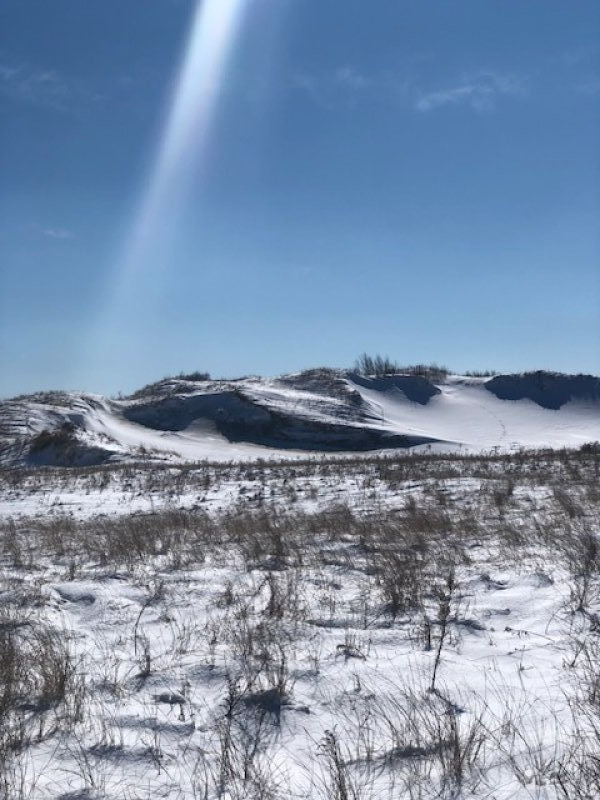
274	630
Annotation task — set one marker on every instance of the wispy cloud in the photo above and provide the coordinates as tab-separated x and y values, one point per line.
589	85
479	92
62	234
339	87
351	78
577	70
44	88
7	73
347	85
579	55
47	88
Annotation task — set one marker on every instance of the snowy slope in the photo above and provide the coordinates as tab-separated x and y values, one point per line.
319	411
465	412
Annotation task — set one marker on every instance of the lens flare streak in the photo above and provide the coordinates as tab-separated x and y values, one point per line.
187	132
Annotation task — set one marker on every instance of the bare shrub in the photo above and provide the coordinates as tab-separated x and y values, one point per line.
400	582
341	782
422	726
445	596
582	551
40	687
567	502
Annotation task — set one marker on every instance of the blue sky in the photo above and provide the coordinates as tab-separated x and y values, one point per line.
420	179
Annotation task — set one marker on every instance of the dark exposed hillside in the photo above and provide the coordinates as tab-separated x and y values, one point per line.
547	389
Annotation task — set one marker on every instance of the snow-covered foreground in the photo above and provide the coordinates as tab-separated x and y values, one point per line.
415	627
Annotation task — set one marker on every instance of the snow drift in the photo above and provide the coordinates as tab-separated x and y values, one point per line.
316	411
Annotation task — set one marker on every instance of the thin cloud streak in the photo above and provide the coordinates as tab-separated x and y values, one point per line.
41	88
47	89
347	85
479	92
590	86
62	234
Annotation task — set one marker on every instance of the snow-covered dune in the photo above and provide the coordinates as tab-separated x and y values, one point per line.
466	412
316	411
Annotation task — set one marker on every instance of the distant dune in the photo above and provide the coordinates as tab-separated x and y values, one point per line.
316	411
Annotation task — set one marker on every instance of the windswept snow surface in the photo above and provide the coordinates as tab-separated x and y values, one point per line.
466	414
249	419
199	441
